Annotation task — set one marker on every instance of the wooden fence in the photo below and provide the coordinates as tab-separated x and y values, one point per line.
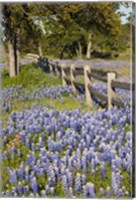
109	77
32	57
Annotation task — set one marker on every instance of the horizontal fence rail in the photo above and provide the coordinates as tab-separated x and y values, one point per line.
97	94
109	77
98	77
33	57
122	85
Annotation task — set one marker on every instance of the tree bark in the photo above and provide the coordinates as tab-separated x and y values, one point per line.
89	46
40	49
12	71
18	61
80	50
17	51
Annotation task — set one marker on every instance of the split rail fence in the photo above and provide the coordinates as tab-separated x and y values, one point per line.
109	77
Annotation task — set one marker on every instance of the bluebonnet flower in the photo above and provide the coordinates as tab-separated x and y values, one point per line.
52	174
28	160
83	179
13	176
20	187
49	182
70	178
123	188
119	193
32	175
48	129
26	189
23	135
118	179
19	152
14	190
65	183
33	155
78	185
15	194
70	192
102	192
103	170
93	171
84	164
33	146
43	136
78	164
27	143
89	190
21	171
34	185
12	151
52	191
108	192
4	155
113	182
79	135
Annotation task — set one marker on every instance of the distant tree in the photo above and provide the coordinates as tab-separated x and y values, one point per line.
98	17
61	30
79	22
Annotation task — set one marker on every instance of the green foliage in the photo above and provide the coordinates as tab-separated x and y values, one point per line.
74	22
30	77
59	191
67	27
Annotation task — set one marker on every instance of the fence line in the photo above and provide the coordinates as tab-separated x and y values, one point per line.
108	77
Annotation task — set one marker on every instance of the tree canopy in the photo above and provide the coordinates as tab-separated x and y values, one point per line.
64	30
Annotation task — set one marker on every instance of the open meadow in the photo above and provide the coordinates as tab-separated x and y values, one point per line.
55	146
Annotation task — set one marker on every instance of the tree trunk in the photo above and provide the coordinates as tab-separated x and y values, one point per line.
18	61
12	71
17	51
77	52
89	46
80	50
40	49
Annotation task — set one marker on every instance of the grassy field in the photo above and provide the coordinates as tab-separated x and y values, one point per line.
30	77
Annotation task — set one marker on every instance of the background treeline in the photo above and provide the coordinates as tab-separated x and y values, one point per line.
63	30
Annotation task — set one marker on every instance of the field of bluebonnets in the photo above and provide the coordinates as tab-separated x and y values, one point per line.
54	146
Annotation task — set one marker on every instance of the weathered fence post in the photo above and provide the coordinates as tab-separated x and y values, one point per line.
51	68
63	66
57	70
72	77
89	100
111	93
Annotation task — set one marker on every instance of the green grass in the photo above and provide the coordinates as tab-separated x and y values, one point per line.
64	103
30	77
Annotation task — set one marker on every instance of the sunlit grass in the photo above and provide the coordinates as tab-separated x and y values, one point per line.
30	77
